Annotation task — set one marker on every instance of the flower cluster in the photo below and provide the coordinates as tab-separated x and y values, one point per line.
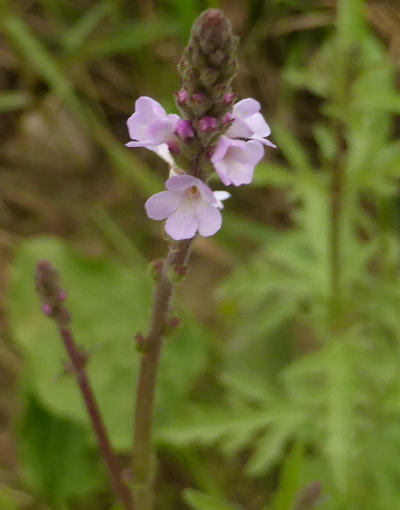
212	133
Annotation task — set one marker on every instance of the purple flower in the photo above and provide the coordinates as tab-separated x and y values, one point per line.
188	205
235	160
249	123
151	127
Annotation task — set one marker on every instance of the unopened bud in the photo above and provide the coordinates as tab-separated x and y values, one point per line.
46	309
62	295
50	292
228	118
174	147
198	97
230	97
184	130
181	96
212	30
174	322
208	124
140	341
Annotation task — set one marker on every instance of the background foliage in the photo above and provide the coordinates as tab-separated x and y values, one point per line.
285	372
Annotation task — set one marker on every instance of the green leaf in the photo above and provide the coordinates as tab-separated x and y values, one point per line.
10	101
290	480
130	37
57	461
200	501
80	31
109	304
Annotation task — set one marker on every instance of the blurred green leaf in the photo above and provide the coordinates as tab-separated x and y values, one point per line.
127	38
290	480
38	58
200	501
56	458
75	36
10	101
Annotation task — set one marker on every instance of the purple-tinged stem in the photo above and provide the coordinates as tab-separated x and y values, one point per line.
78	364
143	470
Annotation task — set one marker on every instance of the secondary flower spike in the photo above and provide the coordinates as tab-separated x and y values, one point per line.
188	205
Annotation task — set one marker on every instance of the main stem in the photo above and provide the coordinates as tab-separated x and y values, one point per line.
143	469
99	428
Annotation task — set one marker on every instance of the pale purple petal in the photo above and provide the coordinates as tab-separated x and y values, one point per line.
144	143
208	217
163	152
264	141
235	160
173	118
239	129
223	157
259	126
182	224
221	196
206	194
181	182
160	131
253	152
147	110
246	107
163	204
223	145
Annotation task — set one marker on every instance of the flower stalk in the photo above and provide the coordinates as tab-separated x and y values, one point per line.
53	305
194	145
143	456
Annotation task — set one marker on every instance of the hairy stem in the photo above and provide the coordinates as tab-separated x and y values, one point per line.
78	365
142	448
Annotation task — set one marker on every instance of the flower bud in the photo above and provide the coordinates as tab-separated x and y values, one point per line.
208	124
184	130
207	68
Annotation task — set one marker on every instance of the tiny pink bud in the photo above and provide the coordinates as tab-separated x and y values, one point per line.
158	265
46	309
181	270
228	118
182	96
198	97
174	322
229	98
139	338
62	295
184	129
210	152
140	342
208	124
174	147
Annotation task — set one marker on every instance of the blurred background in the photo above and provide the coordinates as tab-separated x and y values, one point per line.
285	376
